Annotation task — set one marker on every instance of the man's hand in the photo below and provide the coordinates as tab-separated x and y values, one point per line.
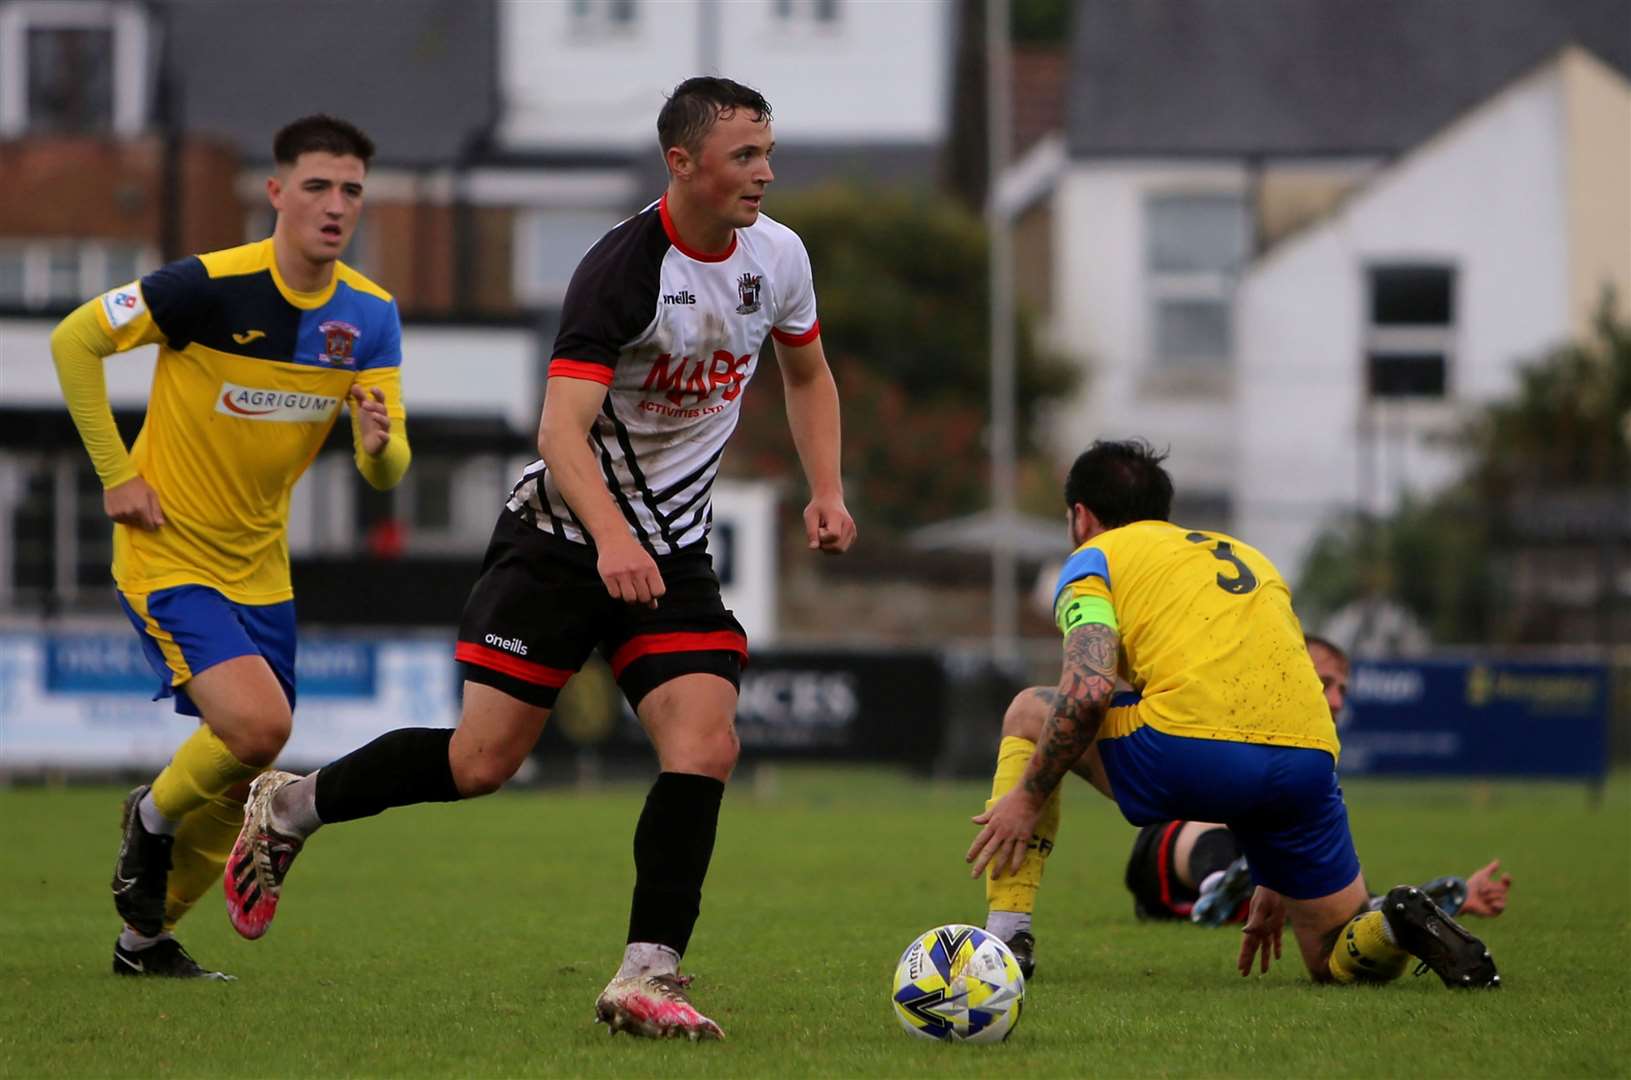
1009	826
1486	891
829	526
630	573
1261	933
372	417
133	503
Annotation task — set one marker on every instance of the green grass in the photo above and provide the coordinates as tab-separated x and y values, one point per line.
471	940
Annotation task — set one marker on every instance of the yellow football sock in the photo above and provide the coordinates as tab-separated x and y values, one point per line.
1017	891
203	842
1364	952
201	769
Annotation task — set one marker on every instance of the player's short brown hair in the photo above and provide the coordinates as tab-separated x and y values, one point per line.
697	103
321	134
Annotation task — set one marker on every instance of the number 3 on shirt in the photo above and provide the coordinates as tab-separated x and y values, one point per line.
1240	585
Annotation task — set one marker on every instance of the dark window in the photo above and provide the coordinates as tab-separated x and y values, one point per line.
1412	296
70	79
1411	336
1407	374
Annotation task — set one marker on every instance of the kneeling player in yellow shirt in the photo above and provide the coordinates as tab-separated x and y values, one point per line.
1225	721
259	348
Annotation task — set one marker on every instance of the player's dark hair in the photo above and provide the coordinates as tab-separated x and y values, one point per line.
1328	645
694	106
1121	482
321	134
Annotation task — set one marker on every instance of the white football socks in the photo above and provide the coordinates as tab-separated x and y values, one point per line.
153	821
648	958
1005	924
294	808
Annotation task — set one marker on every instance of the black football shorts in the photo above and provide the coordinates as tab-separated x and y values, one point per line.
539	609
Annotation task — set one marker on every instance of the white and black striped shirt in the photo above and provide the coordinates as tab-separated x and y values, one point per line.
675	334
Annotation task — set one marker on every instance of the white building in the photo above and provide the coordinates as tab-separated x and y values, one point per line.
1238	185
1369	336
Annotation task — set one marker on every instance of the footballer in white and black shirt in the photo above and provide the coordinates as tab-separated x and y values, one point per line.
602	544
674	334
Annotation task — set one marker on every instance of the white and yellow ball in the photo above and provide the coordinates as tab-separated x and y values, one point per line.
958	983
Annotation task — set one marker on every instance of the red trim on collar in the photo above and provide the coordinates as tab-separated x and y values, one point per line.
684	249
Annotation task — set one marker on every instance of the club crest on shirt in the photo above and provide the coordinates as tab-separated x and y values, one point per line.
339	343
747	287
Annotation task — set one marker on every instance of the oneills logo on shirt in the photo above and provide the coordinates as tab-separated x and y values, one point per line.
278	406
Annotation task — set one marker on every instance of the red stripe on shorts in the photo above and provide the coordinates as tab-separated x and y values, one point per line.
650	644
1163	869
525	670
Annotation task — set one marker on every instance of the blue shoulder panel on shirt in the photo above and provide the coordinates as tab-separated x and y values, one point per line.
353	330
1087	562
176	297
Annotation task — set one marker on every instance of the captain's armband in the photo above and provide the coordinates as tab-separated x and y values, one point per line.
1074	611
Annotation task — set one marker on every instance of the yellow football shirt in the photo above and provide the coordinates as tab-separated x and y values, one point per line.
1208	637
250	379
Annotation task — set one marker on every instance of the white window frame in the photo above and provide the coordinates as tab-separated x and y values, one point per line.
785	14
93	264
1211	286
596	23
529	288
1408	340
131	78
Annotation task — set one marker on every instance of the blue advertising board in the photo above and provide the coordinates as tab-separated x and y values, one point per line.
1471	718
113	663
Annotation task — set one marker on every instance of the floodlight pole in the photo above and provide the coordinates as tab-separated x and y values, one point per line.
998	120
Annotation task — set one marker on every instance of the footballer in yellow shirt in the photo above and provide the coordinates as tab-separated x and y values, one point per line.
260	348
1187	693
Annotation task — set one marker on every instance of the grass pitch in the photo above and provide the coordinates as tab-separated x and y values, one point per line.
471	940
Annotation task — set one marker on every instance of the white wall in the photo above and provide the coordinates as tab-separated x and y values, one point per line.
1486	196
1102	316
878	73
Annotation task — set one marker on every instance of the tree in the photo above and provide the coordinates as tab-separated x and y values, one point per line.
901	285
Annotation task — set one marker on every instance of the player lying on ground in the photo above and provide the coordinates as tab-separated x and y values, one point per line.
1227	722
1194	870
260	346
603	544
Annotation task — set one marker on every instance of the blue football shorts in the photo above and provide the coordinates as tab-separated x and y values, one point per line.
1282	803
189	628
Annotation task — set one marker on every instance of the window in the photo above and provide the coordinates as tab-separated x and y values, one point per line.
70	79
549	245
73	66
61	273
1410	336
819	12
1195	245
604	18
12	275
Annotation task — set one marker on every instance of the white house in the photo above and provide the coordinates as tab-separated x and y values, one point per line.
1379	327
1238	180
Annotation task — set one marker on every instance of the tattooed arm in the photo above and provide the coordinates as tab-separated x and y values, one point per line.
1085	688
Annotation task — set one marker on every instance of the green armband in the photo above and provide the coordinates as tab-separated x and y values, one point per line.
1086	609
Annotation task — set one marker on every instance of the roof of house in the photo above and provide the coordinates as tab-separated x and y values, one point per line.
1307	77
420	76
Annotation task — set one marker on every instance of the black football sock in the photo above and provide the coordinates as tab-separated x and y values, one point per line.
672	846
400	768
1214	850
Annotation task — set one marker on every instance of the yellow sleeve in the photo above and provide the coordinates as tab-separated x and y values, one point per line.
384	470
79	344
